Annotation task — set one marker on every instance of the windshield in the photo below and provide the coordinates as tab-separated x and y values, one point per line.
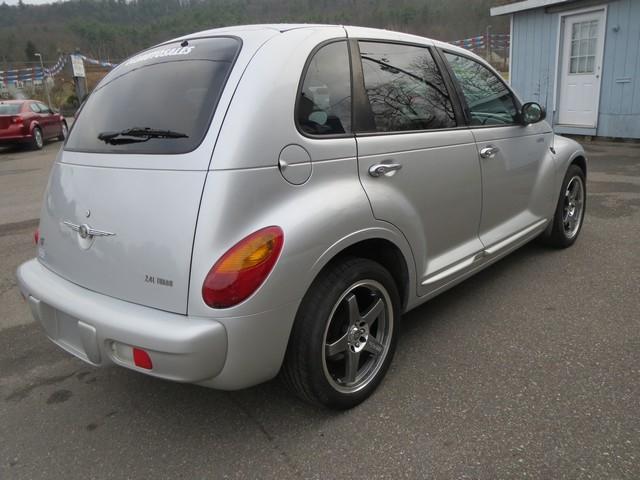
175	87
10	108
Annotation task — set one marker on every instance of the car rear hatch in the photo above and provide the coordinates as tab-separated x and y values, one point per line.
120	212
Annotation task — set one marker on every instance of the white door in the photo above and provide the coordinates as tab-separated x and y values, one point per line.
581	69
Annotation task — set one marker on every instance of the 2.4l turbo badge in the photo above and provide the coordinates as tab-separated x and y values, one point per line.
158	281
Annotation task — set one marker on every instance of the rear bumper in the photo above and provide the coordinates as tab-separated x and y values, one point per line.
227	353
100	330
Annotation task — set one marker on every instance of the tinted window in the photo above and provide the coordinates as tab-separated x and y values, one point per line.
490	101
324	104
405	88
34	108
43	108
10	108
172	87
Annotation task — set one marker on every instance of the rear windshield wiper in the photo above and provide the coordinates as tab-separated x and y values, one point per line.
137	134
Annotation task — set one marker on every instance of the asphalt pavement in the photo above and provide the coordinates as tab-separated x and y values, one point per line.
530	369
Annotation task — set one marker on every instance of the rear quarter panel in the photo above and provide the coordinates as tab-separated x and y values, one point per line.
319	219
245	190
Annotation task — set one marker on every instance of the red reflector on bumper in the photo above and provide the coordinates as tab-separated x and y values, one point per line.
142	359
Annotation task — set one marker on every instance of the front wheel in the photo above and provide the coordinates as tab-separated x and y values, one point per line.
344	335
570	210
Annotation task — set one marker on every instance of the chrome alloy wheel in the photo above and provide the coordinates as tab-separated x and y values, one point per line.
573	206
358	336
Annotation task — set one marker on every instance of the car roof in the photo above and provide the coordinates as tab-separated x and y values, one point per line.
278	27
355	31
13	101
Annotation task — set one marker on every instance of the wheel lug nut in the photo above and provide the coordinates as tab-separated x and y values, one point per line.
357	344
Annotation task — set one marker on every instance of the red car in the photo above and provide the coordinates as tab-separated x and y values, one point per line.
31	122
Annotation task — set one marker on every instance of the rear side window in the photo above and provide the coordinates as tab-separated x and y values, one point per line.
174	88
34	108
405	88
489	100
324	102
10	108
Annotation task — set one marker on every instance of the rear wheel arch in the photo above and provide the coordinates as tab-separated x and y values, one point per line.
385	251
387	254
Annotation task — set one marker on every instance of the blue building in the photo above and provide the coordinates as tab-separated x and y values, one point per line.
581	60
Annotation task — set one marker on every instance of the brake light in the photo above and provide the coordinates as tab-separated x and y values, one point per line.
17	120
36	236
240	271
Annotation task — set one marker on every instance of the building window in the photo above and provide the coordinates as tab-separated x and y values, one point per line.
584	36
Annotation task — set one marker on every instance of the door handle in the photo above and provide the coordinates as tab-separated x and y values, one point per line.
489	151
388	169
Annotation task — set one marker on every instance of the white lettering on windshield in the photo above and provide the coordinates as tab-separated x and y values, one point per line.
165	52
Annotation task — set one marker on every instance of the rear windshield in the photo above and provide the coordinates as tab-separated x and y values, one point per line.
10	108
174	88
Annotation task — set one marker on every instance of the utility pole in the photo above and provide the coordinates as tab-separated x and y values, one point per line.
487	39
44	79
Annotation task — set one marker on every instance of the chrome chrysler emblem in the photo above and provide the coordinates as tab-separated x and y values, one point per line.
85	231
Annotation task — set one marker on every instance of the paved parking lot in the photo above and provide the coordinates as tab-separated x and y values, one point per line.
531	369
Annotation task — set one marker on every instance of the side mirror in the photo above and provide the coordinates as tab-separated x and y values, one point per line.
532	112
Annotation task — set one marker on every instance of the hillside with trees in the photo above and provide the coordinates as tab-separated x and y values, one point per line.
115	29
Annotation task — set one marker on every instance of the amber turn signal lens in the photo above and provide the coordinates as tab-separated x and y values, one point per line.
240	271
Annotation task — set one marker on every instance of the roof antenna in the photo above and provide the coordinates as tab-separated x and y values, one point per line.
184	43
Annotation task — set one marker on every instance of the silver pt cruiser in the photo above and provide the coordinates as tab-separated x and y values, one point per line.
256	200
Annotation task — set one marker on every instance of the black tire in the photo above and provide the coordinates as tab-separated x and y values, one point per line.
63	135
37	143
558	235
325	311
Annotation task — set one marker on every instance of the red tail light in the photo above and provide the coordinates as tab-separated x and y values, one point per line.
240	271
36	236
17	120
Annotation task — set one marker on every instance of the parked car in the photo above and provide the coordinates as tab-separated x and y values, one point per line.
253	200
30	122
